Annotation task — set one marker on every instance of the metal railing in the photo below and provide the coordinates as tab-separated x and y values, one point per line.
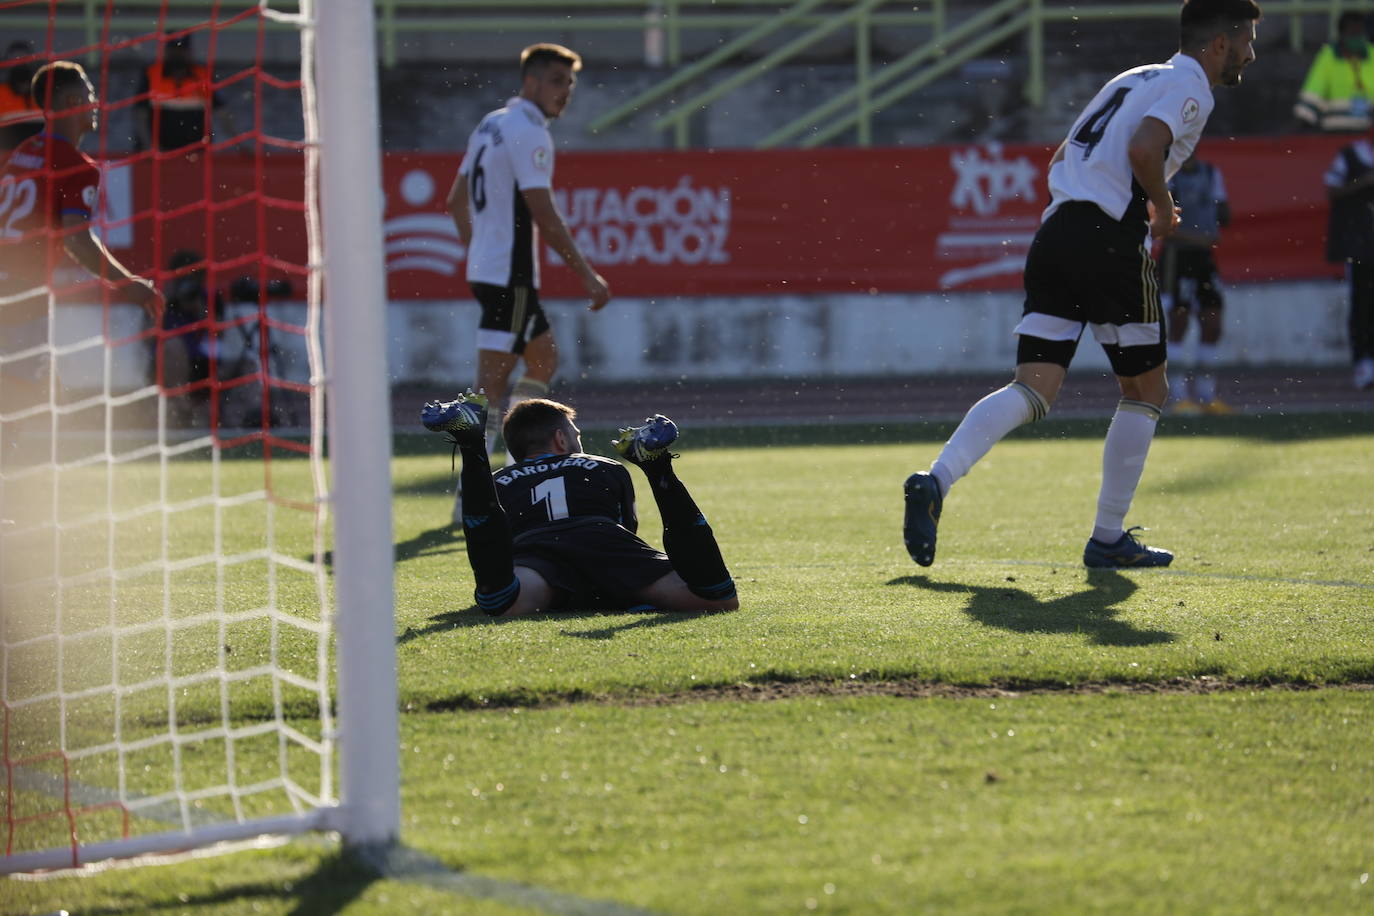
795	26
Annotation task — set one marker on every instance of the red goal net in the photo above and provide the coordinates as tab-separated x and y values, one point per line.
164	603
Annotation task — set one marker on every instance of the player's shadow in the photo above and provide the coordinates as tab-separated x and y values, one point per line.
441	540
652	619
474	617
1091	613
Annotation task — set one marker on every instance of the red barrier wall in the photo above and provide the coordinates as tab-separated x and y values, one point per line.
744	222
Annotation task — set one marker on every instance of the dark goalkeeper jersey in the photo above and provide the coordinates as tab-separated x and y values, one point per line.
549	489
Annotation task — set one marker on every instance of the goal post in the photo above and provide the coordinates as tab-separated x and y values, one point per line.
197	639
359	420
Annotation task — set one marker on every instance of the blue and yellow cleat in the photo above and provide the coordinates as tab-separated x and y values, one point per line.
1126	553
923	505
638	444
464	419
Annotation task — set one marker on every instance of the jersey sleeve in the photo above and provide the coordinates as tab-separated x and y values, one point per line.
1184	109
531	158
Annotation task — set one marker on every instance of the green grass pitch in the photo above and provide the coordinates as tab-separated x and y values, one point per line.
1003	732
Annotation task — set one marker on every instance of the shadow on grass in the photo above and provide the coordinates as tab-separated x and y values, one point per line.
1091	612
441	540
474	617
331	888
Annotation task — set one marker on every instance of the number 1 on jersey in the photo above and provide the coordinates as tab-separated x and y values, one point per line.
553	495
1095	125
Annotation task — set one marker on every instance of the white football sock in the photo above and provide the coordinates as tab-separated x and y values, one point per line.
1123	461
983	427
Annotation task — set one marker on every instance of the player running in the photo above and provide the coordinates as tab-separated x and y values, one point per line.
1090	265
557	528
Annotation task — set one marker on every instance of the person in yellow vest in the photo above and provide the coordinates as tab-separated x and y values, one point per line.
20	118
176	98
1339	89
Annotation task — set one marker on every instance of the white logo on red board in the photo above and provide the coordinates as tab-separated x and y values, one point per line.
1190	110
993	211
423	241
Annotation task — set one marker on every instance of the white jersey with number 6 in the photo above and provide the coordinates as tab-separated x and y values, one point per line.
1096	166
510	151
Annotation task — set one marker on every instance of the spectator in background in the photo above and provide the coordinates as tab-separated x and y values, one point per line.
20	118
1350	239
1339	88
63	185
177	97
1190	283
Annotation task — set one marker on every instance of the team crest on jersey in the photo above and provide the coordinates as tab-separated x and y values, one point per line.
541	159
1190	110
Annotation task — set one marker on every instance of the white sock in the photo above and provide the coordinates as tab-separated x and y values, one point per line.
1123	461
983	427
1208	358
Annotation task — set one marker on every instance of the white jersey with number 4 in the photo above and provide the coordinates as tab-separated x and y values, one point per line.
1096	166
509	152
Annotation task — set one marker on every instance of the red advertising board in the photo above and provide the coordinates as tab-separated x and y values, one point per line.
702	223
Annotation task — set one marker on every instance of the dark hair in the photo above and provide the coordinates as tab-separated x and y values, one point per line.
1202	20
1349	17
531	424
64	76
536	58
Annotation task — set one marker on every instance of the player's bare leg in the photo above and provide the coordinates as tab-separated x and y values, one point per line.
671	593
493	375
1123	462
536	594
541	362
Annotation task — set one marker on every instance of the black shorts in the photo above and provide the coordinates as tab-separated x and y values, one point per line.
593	562
511	317
1085	269
1188	275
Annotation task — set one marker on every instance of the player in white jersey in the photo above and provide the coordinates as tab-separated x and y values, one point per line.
501	201
1090	265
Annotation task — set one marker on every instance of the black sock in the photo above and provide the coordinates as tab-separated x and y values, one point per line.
488	535
687	539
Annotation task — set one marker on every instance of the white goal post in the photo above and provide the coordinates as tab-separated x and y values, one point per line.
74	659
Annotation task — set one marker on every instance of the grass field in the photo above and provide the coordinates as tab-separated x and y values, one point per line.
1002	732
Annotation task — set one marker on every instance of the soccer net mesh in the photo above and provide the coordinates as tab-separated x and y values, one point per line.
165	623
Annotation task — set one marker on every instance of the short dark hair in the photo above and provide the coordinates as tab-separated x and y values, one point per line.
531	424
1349	17
536	58
1202	20
54	80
